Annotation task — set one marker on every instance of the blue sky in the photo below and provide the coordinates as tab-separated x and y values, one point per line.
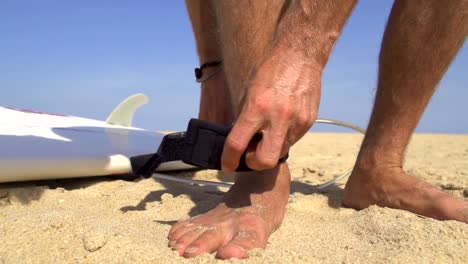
84	57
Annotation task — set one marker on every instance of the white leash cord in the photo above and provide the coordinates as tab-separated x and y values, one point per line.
228	185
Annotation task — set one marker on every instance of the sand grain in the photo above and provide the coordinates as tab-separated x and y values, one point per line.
114	221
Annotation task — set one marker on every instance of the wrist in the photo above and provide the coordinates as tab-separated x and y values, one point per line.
311	28
315	52
299	58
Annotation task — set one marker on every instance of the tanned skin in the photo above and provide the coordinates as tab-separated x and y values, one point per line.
214	93
273	89
273	54
421	40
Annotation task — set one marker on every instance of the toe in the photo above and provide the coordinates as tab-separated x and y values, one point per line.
238	247
208	242
232	251
179	233
185	240
177	226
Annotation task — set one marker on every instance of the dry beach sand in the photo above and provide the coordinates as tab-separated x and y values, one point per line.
115	221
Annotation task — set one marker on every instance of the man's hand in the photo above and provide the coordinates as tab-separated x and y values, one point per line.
284	93
281	104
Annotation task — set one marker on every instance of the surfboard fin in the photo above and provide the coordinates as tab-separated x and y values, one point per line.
124	112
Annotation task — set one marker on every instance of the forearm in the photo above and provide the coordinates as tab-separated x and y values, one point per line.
310	28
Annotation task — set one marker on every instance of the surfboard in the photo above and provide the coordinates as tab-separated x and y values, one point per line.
36	145
39	146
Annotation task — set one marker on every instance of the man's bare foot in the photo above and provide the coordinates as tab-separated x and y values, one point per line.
252	209
392	187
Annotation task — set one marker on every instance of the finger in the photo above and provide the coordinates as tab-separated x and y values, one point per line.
293	136
269	149
238	140
251	148
302	126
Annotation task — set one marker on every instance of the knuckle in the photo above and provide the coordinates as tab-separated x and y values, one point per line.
289	140
313	116
251	161
310	123
287	111
251	118
312	119
267	163
260	105
303	120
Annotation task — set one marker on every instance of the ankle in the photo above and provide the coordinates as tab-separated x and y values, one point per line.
275	181
372	160
215	102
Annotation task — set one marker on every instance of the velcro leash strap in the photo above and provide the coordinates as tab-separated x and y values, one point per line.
202	146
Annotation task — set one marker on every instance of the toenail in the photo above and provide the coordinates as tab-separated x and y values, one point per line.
239	247
172	242
177	246
191	250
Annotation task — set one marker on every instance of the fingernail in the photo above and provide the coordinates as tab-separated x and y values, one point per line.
191	250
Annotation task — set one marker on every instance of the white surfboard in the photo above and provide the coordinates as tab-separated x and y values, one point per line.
37	146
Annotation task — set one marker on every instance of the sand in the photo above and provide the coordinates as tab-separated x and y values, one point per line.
104	220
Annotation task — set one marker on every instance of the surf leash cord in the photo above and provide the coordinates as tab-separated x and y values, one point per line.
201	146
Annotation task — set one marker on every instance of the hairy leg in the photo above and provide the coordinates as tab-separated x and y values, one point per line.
254	207
303	33
215	100
421	40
